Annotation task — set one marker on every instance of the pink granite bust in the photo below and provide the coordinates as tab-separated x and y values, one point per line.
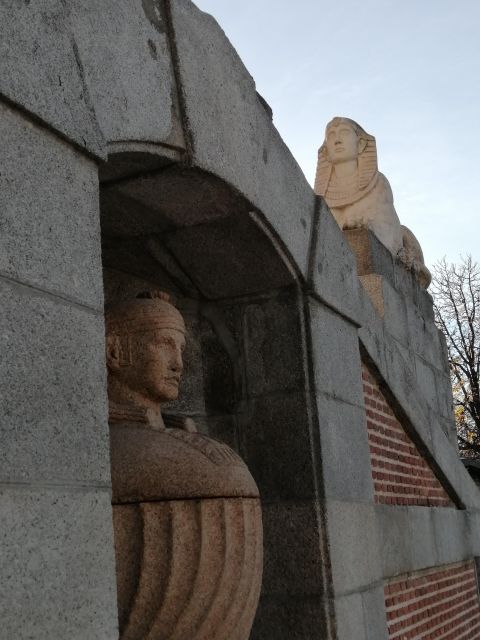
187	517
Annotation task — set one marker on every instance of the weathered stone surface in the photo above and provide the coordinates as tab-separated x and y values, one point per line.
233	136
374	613
274	328
50	232
395	313
350	616
345	452
126	60
355	559
275	442
40	70
426	382
332	269
52	390
295	619
423	552
334	343
57	565
451	536
394	545
293	562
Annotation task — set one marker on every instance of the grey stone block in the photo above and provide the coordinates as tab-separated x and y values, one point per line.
292	562
233	136
425	304
350	617
275	442
57	565
395	546
274	345
426	383
289	619
395	313
406	283
401	380
353	532
333	266
371	332
126	59
423	552
40	71
50	228
443	385
53	403
425	339
347	473
451	535
336	354
375	614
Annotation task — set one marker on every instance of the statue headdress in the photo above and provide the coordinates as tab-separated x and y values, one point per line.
338	195
149	311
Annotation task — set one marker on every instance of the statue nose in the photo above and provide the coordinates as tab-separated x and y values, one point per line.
176	363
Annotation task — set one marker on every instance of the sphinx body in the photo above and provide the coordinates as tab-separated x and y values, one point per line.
358	195
186	511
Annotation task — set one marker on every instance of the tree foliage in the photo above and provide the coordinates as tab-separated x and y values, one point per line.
456	294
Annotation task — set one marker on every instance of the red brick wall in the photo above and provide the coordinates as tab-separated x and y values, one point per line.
440	603
401	475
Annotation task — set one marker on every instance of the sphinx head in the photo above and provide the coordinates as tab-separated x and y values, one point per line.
345	140
348	150
145	341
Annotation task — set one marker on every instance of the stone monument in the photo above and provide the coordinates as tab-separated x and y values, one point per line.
186	511
359	195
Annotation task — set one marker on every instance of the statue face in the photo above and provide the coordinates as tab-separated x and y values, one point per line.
156	364
342	143
159	363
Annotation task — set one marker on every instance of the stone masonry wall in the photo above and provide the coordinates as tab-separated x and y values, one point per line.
441	603
150	98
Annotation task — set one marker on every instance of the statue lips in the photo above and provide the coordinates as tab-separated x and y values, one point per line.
173	380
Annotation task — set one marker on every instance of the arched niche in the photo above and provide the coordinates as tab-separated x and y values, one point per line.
166	225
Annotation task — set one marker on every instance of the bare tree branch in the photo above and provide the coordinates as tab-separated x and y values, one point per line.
456	293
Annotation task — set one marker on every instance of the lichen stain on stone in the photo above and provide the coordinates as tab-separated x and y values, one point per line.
153	49
154	14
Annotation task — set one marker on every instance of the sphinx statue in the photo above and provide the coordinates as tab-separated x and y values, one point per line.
186	511
360	196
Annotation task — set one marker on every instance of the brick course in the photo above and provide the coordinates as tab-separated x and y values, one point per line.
401	475
440	603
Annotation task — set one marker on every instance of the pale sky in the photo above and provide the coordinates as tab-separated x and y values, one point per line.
408	71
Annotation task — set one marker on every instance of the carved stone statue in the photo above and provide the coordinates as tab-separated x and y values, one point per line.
359	195
187	517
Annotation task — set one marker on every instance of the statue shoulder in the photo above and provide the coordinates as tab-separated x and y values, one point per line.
383	186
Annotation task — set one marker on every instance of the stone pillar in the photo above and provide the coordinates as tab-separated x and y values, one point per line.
56	561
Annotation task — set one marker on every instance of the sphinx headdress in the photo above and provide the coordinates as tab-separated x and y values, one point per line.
340	195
